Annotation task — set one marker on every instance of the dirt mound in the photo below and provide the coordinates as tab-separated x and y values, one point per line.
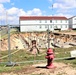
23	40
61	69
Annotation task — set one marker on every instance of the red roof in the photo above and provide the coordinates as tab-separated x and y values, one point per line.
42	18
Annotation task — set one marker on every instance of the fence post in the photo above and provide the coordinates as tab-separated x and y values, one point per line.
10	63
48	33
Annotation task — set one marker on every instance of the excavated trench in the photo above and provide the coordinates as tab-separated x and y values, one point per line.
23	40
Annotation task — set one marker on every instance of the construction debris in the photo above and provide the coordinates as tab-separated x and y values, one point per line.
23	40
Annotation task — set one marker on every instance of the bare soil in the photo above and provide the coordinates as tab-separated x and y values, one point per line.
39	69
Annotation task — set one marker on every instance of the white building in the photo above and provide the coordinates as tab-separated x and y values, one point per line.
41	23
72	22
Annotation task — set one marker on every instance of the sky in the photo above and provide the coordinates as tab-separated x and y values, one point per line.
11	10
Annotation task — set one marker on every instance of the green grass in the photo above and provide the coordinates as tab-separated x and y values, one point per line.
23	55
12	31
4	68
61	53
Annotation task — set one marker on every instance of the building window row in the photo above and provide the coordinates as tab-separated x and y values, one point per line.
50	26
61	21
75	19
46	26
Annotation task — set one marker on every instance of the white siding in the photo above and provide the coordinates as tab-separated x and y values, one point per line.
72	22
42	25
35	21
28	28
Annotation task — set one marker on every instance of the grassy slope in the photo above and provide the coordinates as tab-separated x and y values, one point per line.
22	55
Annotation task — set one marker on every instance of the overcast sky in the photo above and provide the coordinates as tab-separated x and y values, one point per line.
10	10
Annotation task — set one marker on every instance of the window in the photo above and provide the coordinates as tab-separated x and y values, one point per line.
74	18
50	26
46	26
40	26
56	21
50	21
55	27
61	26
66	21
40	21
66	26
45	21
61	21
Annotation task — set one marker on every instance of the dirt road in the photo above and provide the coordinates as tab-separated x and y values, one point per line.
39	69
